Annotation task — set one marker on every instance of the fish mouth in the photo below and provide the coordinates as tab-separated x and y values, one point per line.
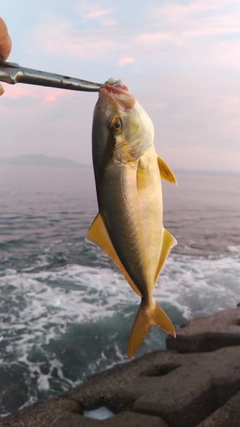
118	92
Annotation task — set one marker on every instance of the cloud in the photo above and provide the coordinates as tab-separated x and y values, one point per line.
61	36
200	32
196	29
126	60
21	91
198	18
102	16
94	11
18	91
153	37
96	14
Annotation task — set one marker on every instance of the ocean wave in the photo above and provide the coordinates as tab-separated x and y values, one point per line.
60	326
235	249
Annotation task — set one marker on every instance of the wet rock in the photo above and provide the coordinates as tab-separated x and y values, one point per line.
42	414
208	333
226	416
124	419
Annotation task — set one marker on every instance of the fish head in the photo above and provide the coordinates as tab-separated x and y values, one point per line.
122	130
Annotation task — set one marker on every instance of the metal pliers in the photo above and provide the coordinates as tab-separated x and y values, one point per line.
13	73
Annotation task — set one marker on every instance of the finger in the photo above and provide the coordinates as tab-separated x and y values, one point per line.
5	41
1	90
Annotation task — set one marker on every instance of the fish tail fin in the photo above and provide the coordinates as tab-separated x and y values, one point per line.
147	316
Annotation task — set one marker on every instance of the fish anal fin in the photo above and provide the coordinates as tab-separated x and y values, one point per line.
148	316
99	235
167	244
166	172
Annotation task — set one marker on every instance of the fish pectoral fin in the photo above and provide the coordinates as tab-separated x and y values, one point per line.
167	244
148	316
99	235
166	172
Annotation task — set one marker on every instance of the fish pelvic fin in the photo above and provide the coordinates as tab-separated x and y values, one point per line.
147	316
166	172
99	235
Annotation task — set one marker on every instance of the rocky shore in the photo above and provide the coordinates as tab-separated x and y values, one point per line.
195	383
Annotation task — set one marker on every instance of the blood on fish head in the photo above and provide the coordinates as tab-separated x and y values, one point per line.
116	91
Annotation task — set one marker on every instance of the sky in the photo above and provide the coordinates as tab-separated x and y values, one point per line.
181	59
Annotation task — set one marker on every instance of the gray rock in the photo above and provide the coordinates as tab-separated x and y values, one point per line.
208	333
42	414
200	385
66	413
226	416
124	419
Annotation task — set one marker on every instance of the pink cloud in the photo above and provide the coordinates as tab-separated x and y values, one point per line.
14	92
19	91
199	18
53	94
91	11
102	16
98	13
61	36
126	60
152	37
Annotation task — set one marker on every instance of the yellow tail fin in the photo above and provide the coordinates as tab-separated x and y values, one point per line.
147	316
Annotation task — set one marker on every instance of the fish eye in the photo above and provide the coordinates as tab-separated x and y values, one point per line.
116	124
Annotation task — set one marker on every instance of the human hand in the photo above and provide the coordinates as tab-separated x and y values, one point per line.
5	45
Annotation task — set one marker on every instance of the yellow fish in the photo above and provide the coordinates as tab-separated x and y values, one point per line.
129	225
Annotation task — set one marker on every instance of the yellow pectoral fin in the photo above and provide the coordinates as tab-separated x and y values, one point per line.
148	316
98	234
168	242
165	171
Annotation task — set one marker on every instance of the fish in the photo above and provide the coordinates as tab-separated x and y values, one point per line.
129	224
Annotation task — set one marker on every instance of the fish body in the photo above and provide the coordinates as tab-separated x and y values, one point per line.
129	225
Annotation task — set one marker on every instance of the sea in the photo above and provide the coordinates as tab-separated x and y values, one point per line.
66	312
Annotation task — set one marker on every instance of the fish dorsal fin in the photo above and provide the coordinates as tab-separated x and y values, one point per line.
168	242
98	234
165	171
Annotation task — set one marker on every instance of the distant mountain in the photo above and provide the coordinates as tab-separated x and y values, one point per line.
40	160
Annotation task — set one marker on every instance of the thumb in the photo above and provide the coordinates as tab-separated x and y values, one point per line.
5	41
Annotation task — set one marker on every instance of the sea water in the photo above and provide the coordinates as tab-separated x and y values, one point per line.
66	312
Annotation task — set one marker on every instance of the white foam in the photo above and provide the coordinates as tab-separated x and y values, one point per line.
101	413
75	294
234	249
43	382
202	286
